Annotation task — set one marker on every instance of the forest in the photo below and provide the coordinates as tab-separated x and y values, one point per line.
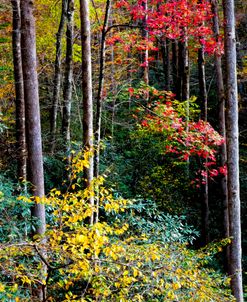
123	150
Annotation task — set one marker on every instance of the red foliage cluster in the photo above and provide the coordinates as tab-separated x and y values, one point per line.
177	20
185	139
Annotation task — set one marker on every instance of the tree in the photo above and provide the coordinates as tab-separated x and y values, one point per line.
100	95
67	95
222	120
233	150
57	76
145	68
19	92
165	50
87	90
203	100
32	113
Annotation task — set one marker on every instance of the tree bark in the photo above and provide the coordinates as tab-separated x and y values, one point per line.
100	88
222	122
175	77
233	150
68	77
19	93
57	77
145	37
33	129
186	72
183	83
165	49
203	101
100	97
203	98
87	90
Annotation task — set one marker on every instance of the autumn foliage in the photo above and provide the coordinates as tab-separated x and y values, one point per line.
103	262
183	138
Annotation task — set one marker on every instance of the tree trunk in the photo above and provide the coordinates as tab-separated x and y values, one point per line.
57	77
203	98
222	122
145	37
100	97
100	88
33	129
233	150
180	70
203	101
87	89
186	71
19	92
68	78
165	49
175	77
183	83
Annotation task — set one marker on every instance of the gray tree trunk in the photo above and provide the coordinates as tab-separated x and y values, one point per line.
100	98
222	123
33	129
100	88
145	37
183	83
19	93
232	136
165	50
175	76
57	77
87	89
203	98
68	77
186	72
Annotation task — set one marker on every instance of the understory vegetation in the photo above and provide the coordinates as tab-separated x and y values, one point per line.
134	253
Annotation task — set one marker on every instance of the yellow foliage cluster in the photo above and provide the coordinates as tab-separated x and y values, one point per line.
100	262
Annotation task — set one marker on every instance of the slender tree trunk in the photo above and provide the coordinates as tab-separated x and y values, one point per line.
57	77
100	88
175	77
186	72
183	86
68	77
165	49
87	89
233	151
33	129
145	37
222	122
222	131
203	98
113	84
181	67
183	83
19	92
100	98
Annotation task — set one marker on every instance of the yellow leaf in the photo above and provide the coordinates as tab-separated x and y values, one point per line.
171	295
176	285
2	288
135	272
